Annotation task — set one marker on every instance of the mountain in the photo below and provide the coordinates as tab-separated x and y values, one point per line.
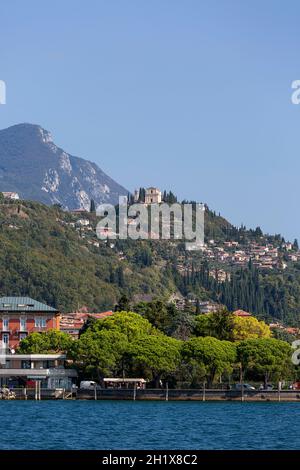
33	166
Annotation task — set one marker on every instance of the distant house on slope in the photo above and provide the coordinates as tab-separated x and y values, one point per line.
71	323
242	313
79	211
11	195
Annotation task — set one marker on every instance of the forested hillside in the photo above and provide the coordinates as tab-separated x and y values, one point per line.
50	255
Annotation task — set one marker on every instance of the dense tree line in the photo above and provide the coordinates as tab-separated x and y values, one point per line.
246	289
127	344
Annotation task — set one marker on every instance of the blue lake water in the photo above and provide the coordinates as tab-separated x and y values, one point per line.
148	425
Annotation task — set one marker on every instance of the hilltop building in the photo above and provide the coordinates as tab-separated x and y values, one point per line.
153	196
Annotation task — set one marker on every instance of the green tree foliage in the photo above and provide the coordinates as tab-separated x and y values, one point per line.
131	324
142	195
123	304
265	294
119	276
92	206
169	197
161	315
127	344
144	257
99	352
267	357
46	258
155	357
217	324
110	346
51	341
88	323
279	333
209	357
249	328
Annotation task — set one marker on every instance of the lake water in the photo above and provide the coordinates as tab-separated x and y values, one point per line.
148	425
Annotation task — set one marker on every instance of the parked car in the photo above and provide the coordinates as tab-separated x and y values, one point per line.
267	388
246	387
295	386
88	385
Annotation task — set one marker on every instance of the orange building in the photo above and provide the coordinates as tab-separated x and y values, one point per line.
71	323
20	316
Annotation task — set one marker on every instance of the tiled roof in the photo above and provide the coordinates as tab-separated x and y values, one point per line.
23	304
77	319
242	313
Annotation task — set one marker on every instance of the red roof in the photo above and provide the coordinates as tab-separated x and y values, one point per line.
101	315
77	319
241	313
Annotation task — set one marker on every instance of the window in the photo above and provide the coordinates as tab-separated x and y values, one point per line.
22	324
5	324
26	364
40	322
48	364
5	339
22	336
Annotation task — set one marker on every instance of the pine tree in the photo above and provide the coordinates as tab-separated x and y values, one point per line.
92	206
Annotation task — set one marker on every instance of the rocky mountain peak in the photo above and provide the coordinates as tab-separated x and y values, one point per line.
32	165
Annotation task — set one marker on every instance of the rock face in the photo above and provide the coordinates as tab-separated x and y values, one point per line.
33	166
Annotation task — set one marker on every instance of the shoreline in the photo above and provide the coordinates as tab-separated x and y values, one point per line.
283	396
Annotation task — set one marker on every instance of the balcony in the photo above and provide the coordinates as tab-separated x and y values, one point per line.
41	373
20	331
5	329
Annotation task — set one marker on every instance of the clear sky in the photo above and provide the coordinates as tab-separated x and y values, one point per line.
188	95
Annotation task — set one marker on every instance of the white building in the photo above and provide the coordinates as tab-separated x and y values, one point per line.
83	222
11	195
153	196
49	369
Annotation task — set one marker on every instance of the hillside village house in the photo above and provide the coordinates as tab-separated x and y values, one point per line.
20	316
242	314
11	195
71	323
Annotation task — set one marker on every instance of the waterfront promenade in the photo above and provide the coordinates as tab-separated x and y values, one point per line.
160	395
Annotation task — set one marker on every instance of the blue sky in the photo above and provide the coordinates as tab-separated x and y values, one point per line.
193	96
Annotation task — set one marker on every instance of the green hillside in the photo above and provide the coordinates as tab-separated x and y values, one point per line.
42	256
46	254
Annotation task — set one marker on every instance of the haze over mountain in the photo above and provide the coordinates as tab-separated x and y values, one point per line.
33	166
